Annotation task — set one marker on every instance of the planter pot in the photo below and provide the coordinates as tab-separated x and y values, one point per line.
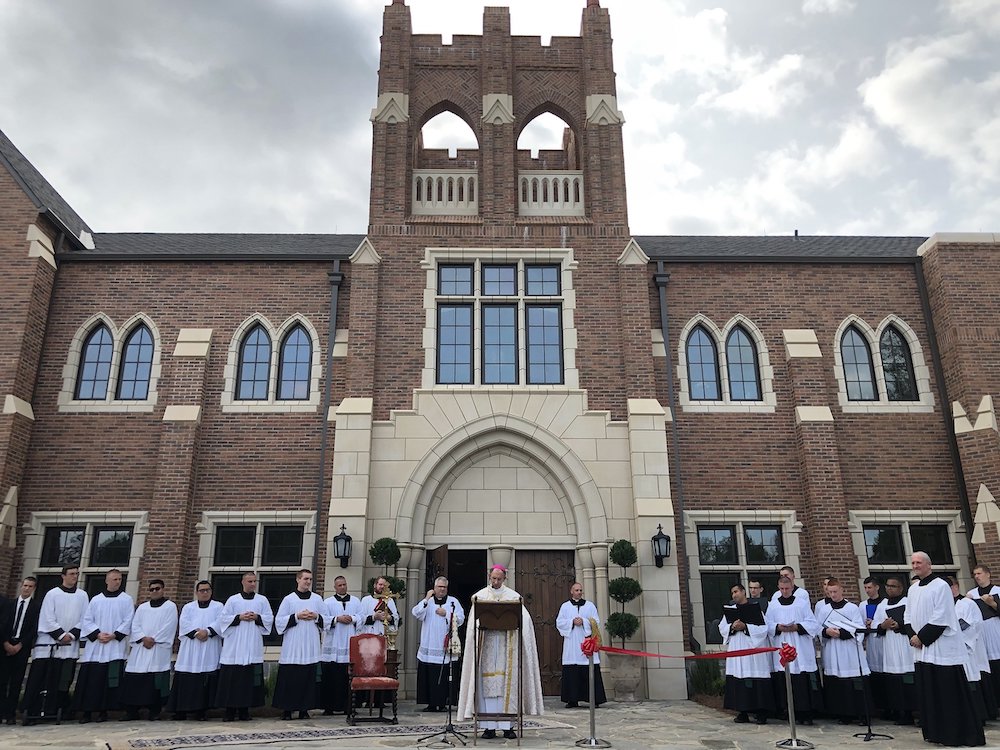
625	673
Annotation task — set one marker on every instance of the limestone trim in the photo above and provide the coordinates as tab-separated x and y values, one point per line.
40	246
392	107
921	372
90	520
986	418
801	343
498	109
958	238
14	405
813	414
904	518
365	254
8	518
67	401
182	413
633	255
211	520
193	342
791	529
272	404
986	512
602	109
726	405
563	257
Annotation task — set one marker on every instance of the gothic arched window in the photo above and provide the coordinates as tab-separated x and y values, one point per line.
741	361
859	374
137	361
295	365
703	366
897	364
95	365
255	365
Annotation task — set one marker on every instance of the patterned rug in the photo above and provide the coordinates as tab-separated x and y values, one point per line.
339	733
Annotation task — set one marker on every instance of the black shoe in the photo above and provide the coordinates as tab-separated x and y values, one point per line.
509	734
806	722
304	715
742	718
429	709
102	717
28	723
905	721
760	720
489	734
286	715
85	717
154	717
244	714
200	716
844	720
573	704
328	712
11	721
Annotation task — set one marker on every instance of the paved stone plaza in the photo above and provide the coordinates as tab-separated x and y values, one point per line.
629	726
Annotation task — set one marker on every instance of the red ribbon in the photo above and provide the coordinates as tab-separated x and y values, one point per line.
590	646
787	652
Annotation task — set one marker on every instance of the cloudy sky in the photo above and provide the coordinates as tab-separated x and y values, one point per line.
742	116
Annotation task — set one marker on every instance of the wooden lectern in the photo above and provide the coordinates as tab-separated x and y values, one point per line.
506	617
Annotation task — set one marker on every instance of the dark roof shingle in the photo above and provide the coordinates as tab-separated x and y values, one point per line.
142	245
695	247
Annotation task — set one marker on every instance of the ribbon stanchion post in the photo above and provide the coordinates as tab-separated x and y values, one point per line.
787	656
589	647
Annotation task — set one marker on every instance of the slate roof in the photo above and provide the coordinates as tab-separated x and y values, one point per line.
167	246
41	193
695	247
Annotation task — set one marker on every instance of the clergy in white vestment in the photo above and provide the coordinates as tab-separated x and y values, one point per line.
104	630
898	684
378	610
436	612
846	692
798	593
146	683
575	621
300	621
970	621
53	659
943	696
990	595
748	678
492	673
196	671
343	611
873	644
244	621
790	620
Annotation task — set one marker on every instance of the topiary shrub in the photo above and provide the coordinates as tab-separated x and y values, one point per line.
623	625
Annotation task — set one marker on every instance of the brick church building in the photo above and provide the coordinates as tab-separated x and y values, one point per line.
498	371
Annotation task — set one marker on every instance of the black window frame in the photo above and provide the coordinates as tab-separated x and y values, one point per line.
95	547
702	329
880	528
890	373
127	349
282	364
234	528
46	561
857	383
241	361
755	354
528	328
441	281
731	528
528	267
484	267
104	353
938	559
515	375
266	532
471	345
780	546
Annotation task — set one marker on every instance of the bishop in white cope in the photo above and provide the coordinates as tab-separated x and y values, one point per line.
300	621
748	678
575	622
436	612
491	673
244	621
196	671
846	692
344	612
943	696
53	659
790	620
147	672
104	628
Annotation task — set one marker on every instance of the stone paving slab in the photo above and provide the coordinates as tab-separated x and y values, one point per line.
628	726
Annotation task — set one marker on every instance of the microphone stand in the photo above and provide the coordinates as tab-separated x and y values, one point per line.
869	735
449	727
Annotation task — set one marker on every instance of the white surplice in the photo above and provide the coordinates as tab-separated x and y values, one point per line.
976	661
368	605
160	624
435	628
897	653
199	656
798	612
61	613
843	657
573	635
755	666
991	627
106	614
300	643
337	639
929	602
243	642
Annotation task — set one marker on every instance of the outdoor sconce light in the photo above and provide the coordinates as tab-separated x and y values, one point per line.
661	545
342	546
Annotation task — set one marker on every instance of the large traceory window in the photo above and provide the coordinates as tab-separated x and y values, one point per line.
94	375
96	548
273	551
729	554
492	305
295	354
740	365
896	362
888	548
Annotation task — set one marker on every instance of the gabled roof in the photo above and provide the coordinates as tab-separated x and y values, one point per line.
161	246
696	247
37	188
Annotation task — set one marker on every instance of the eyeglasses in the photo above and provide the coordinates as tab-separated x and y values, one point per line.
156	588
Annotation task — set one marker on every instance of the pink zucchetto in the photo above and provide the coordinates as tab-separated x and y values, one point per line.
499	567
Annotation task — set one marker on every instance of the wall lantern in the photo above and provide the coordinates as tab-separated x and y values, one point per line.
661	545
342	546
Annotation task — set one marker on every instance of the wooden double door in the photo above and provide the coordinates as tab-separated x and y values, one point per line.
543	581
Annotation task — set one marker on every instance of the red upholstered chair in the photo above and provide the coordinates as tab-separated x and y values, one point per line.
367	674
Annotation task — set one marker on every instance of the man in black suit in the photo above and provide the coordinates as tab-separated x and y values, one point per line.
18	630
